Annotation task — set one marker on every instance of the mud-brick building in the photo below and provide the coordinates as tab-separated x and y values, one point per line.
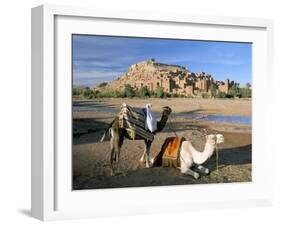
225	86
172	78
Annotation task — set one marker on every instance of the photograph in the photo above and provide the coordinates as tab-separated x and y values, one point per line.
159	111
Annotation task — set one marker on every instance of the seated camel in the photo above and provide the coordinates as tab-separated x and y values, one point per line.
180	153
189	156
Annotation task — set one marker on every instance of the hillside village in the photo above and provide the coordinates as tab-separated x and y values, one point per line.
173	79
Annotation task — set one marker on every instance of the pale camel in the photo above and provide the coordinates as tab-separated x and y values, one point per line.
189	156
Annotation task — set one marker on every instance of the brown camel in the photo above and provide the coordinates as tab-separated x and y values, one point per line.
118	134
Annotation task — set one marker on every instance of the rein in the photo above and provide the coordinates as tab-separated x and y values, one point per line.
217	157
170	126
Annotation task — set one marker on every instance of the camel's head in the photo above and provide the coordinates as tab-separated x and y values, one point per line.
220	138
167	110
215	139
148	106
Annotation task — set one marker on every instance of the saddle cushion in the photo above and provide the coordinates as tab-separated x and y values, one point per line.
169	156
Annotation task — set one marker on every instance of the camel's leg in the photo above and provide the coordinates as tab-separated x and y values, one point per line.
114	147
147	153
202	169
112	156
119	143
142	157
192	173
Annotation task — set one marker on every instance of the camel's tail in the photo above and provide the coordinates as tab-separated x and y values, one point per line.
107	132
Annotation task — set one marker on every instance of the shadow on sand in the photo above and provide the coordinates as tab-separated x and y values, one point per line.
232	156
90	128
163	176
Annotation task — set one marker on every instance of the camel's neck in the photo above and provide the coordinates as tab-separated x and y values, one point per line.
201	157
161	124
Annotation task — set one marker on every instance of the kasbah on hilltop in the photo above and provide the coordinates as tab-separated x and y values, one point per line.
172	78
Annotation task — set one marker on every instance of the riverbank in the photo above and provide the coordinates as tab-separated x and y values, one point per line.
91	158
179	105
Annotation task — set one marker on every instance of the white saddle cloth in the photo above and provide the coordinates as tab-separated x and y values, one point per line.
150	122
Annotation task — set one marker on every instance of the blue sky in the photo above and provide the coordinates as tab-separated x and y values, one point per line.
103	58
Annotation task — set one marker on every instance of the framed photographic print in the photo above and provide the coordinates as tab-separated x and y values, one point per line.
135	111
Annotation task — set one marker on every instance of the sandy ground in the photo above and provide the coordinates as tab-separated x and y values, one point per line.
91	158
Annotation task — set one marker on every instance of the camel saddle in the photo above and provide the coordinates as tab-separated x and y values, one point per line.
133	120
169	156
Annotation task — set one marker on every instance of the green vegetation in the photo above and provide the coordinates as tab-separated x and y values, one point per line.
84	92
173	95
234	91
213	90
204	95
143	92
221	95
103	84
128	91
246	92
160	92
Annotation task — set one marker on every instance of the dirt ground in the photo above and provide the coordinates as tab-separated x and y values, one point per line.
91	158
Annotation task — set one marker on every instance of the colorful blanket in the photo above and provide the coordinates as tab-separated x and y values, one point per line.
169	156
133	120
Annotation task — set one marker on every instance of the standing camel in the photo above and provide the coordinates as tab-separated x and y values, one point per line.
118	134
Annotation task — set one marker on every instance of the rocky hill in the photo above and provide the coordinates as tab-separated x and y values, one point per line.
172	78
145	71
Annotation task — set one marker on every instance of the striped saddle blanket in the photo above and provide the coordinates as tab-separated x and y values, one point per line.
133	120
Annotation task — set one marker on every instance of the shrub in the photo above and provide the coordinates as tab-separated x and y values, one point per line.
102	84
213	90
143	92
128	91
221	95
204	95
160	92
174	95
152	94
234	90
168	95
118	93
246	92
84	93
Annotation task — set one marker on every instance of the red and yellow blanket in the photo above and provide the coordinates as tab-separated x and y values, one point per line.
169	154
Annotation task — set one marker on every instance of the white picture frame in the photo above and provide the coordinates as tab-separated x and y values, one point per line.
52	198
